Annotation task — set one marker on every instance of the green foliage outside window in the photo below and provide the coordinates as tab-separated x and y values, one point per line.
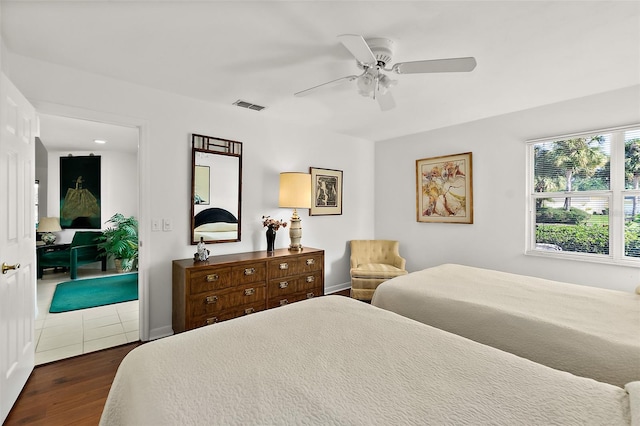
632	238
585	238
575	238
555	215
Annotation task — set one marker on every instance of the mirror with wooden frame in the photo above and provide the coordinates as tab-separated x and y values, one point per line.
216	189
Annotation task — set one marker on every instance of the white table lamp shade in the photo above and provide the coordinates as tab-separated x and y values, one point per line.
49	224
295	190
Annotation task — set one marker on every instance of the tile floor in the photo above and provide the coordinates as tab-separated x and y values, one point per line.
68	334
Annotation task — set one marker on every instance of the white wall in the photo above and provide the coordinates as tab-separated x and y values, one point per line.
497	238
42	176
118	186
270	147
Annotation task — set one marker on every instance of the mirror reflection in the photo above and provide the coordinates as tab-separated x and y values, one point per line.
216	190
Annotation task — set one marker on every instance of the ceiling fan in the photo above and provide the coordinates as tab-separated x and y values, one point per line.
373	56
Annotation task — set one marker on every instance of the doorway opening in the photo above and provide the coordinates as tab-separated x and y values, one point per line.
67	334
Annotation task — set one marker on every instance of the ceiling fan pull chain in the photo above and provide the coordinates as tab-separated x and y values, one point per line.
377	86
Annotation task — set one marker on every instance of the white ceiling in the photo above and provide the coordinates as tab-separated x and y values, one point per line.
529	53
70	134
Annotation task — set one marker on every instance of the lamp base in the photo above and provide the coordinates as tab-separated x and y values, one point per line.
48	238
295	233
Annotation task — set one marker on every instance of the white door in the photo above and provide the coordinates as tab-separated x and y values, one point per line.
17	243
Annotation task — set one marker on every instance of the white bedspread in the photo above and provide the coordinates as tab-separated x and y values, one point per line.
333	360
591	332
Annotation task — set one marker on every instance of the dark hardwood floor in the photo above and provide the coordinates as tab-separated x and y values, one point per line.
71	391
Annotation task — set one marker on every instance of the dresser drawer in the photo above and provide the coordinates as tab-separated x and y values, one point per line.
310	263
283	287
289	285
291	298
235	312
283	300
205	304
310	281
209	279
313	292
249	273
283	268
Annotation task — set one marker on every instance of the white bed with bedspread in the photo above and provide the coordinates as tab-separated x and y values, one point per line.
333	360
588	331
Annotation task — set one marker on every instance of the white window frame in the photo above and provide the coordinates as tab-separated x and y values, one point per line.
615	196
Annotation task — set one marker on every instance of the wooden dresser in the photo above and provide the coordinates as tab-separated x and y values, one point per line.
232	285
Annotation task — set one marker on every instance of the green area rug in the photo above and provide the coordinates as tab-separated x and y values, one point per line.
92	292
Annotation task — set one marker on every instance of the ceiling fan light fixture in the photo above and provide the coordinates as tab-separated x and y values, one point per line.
366	83
374	55
384	83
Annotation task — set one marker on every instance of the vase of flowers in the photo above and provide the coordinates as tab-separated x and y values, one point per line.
272	226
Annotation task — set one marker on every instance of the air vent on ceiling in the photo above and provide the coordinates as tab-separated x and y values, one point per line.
248	105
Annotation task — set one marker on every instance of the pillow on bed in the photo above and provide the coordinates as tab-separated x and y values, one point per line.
217	227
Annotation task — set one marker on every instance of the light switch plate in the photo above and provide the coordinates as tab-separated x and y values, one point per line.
167	224
155	225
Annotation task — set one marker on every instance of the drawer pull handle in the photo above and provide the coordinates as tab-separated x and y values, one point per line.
250	271
211	299
212	277
310	295
311	279
284	302
249	291
210	321
284	265
311	261
284	284
249	311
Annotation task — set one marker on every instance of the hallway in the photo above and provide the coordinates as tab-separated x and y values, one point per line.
69	334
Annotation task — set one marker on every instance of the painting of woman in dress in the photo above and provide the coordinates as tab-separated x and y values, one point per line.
80	192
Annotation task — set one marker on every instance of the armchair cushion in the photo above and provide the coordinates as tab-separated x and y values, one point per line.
377	270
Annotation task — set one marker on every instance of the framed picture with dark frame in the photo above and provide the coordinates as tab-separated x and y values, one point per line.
80	192
326	192
444	189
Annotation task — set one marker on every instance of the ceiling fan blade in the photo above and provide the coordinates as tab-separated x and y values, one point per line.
436	65
328	83
385	100
359	48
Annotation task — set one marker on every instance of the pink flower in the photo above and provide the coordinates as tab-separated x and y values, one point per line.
275	224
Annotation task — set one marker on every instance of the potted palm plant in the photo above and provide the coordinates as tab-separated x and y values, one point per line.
120	241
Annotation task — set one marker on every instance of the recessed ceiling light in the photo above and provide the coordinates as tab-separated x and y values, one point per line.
99	141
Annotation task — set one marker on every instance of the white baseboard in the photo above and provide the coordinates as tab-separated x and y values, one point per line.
159	333
337	287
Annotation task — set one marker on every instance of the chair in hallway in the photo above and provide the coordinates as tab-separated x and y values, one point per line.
82	250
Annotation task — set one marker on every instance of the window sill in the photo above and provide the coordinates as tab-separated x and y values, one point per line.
591	258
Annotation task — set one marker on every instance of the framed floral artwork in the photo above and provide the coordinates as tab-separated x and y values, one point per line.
326	192
444	189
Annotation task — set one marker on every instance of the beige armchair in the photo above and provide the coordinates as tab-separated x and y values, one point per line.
372	263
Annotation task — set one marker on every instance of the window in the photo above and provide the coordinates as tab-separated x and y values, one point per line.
584	196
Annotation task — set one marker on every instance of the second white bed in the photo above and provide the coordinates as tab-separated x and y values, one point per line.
588	331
